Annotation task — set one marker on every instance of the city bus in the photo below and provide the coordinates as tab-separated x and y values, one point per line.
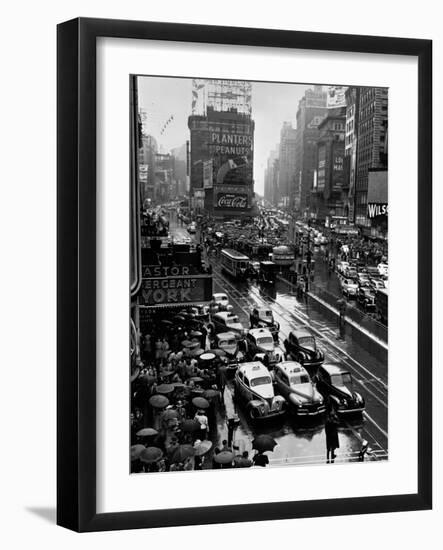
233	262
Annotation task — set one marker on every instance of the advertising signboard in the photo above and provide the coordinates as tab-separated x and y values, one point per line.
179	290
232	201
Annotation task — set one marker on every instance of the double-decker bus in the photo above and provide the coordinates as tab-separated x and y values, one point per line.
233	262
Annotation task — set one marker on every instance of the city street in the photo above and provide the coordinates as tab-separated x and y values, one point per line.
303	442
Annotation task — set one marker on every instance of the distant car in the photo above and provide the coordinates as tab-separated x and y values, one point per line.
362	278
262	317
300	346
373	272
192	228
260	345
351	272
334	382
377	284
366	298
293	382
349	288
383	269
253	386
221	300
342	266
226	321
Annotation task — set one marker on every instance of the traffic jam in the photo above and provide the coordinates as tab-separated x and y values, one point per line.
280	366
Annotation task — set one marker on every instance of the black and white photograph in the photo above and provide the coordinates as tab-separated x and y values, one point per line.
260	232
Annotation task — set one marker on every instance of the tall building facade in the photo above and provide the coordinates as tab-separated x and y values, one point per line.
286	155
222	150
371	147
351	143
312	109
329	195
146	166
271	178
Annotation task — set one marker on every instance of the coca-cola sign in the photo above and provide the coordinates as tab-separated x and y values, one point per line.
232	200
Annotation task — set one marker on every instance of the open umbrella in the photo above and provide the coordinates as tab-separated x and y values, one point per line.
159	401
210	393
190	425
146	432
196	379
196	334
219	352
166	322
187	343
170	414
165	388
207	356
200	402
196	352
182	452
147	378
194	344
225	457
202	447
178	385
136	450
264	442
151	454
179	318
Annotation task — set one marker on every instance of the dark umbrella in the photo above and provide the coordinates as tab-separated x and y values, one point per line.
151	454
209	394
225	457
219	352
182	452
196	334
264	442
190	425
147	378
196	379
170	414
136	450
159	401
187	343
178	385
165	388
196	352
166	322
179	318
200	402
202	448
145	432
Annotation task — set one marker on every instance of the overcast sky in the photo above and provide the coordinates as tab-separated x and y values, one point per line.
272	104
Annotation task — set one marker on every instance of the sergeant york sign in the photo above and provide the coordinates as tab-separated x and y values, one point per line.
175	289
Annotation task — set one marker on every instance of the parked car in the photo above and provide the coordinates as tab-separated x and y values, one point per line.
260	345
349	288
192	228
263	317
362	278
366	298
293	382
226	321
342	266
233	345
383	269
377	284
334	382
253	386
300	346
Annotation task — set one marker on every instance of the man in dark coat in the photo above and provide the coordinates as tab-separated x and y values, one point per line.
332	442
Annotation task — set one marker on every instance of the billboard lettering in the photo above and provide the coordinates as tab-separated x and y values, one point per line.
176	290
232	200
375	210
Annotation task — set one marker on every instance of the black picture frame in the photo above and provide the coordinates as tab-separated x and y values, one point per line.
76	279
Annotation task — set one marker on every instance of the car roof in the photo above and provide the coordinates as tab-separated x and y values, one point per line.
333	368
301	333
220	294
259	332
225	335
253	367
291	367
225	314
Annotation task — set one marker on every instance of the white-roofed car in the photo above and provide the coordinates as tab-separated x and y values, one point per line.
260	344
293	382
226	321
349	288
254	387
221	300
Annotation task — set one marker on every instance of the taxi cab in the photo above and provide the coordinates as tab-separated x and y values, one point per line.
293	382
253	386
260	344
226	321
